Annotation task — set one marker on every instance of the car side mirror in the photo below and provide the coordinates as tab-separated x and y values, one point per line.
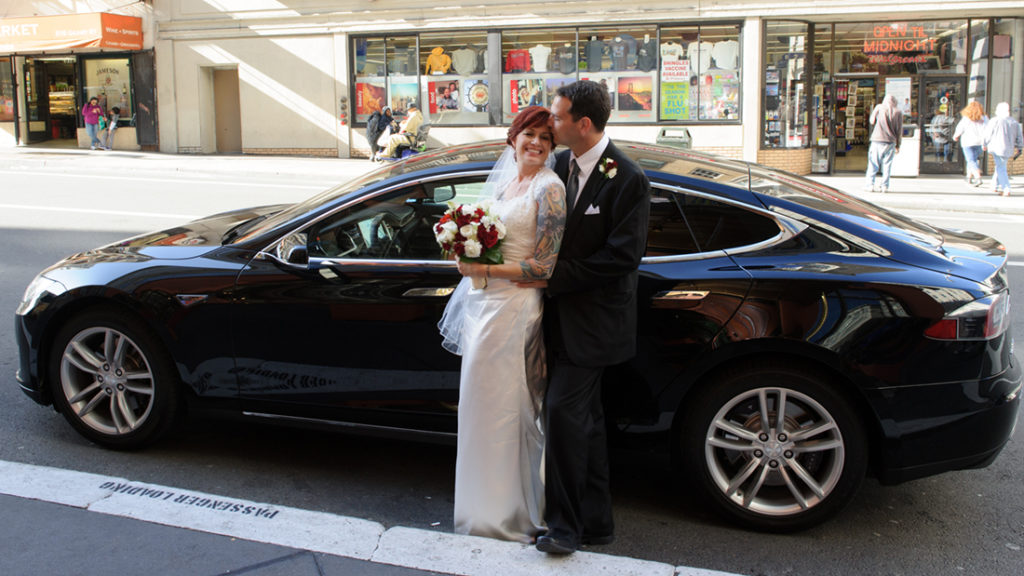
443	194
298	255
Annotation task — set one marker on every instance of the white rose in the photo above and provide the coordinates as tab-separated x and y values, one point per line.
447	232
468	231
611	173
473	248
500	226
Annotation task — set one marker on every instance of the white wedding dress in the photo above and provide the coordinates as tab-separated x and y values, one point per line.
499	486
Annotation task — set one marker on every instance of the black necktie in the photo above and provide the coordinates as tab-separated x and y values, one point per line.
572	185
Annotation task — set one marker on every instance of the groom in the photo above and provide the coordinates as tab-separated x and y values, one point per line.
590	315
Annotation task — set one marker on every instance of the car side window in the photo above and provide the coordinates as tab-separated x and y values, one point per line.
394	226
682	223
720	226
667	233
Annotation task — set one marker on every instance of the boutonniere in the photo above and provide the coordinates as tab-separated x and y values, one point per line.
608	167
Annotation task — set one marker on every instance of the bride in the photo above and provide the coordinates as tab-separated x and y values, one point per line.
499	486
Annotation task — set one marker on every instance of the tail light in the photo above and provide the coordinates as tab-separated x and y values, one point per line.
982	319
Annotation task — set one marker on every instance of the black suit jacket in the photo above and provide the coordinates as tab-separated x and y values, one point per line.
592	290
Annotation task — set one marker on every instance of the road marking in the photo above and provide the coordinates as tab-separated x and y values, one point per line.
314	531
218	179
1015	263
96	211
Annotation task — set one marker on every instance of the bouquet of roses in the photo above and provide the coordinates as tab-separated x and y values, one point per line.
472	233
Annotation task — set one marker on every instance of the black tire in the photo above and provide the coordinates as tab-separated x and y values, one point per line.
112	380
753	477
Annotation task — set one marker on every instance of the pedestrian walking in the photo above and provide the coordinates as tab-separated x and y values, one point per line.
1002	137
886	136
970	133
91	114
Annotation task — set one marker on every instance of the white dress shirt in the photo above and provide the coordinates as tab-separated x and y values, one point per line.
588	162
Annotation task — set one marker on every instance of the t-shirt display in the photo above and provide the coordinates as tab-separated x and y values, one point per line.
726	53
539	55
465	61
647	55
671	51
566	57
699	55
517	61
595	54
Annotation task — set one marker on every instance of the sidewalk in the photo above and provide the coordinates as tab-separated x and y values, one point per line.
941	192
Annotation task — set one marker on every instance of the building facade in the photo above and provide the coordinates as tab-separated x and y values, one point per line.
785	84
54	57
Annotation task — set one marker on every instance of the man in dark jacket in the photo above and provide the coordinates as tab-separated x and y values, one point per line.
375	126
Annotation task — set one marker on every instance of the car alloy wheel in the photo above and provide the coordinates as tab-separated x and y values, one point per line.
777	451
112	381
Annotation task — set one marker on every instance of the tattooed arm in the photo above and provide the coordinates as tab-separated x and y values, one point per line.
551	214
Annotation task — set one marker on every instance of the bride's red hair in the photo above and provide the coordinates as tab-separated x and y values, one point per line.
531	117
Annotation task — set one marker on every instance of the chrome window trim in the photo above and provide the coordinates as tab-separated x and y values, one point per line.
788	228
380	192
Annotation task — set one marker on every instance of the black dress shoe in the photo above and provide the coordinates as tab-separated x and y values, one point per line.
597	540
553	545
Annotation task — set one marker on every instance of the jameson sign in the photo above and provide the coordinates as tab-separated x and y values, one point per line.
898	43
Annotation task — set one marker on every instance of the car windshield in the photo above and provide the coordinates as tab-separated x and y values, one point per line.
487	152
829	200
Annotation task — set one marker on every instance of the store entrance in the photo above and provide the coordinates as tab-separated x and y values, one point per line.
855	97
941	101
50	99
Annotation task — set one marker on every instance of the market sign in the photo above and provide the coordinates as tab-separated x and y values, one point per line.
49	33
897	43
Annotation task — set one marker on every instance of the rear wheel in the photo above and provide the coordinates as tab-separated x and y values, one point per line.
774	447
112	380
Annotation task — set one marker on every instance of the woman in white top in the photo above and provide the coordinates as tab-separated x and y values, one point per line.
970	132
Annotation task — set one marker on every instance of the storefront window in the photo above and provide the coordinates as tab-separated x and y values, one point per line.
699	73
785	105
1007	82
535	63
6	91
454	86
625	59
109	80
977	78
387	74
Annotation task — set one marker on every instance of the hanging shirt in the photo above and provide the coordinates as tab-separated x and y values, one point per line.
699	55
595	54
726	53
617	48
517	61
540	54
672	51
566	56
464	61
647	56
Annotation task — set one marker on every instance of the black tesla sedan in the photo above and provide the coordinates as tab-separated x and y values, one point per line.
792	339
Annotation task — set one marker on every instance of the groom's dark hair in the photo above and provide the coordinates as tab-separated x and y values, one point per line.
588	99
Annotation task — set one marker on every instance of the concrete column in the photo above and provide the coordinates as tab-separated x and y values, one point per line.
166	100
753	88
345	112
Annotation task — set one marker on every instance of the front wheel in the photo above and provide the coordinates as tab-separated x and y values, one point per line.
774	447
112	380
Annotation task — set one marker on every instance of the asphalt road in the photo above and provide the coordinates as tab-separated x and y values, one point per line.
969	522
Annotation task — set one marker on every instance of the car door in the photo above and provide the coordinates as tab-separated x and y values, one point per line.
689	292
351	334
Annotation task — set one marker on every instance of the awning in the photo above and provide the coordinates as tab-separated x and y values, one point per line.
49	33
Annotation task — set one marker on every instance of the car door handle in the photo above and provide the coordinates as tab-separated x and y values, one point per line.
676	295
439	292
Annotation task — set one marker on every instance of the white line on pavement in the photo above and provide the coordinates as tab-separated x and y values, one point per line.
96	211
315	531
219	179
